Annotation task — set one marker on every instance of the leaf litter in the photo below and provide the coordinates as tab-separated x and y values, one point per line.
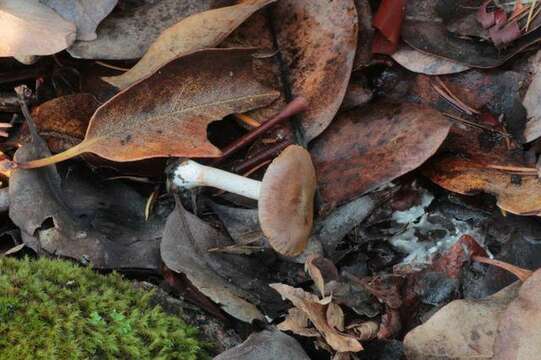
420	120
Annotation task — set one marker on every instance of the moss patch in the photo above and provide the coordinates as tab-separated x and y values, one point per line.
56	310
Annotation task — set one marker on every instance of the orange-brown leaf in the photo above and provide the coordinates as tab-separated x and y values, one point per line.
167	114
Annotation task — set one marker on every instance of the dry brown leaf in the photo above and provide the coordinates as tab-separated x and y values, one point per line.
85	14
315	265
370	146
366	330
316	312
335	316
519	332
62	122
167	114
517	194
236	283
462	329
419	62
318	39
297	322
199	31
31	28
126	34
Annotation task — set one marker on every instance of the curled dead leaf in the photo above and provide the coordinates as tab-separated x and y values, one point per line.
202	30
316	312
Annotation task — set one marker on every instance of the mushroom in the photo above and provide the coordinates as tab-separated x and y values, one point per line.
285	195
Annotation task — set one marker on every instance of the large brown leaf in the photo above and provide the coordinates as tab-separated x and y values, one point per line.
463	329
62	122
126	34
167	114
75	215
318	39
236	283
519	332
31	28
365	148
203	30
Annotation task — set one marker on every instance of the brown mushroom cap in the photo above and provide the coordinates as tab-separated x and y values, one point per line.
286	201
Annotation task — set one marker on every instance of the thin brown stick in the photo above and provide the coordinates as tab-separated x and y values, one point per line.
114	67
517	169
471	123
520	273
263	156
460	103
294	107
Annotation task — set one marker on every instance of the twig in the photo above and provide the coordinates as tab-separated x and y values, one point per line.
114	67
457	102
261	157
471	123
294	107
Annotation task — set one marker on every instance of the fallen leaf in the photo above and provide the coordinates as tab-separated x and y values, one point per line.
519	332
363	54
335	316
516	193
296	321
203	30
266	345
316	312
388	21
423	63
452	260
127	35
167	114
424	29
237	283
77	216
31	28
321	271
367	330
368	147
462	329
62	122
318	40
531	103
85	14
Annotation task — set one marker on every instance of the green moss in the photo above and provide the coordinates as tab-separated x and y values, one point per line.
56	310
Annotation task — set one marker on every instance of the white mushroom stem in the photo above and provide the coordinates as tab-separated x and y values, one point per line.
190	174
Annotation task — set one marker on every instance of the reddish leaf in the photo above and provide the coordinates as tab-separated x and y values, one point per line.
167	113
367	147
388	20
452	261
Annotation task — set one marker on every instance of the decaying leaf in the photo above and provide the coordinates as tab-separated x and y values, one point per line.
234	282
297	322
423	63
388	22
127	34
62	122
368	147
321	271
366	330
532	102
266	345
31	28
316	312
318	39
516	193
85	14
425	29
167	114
363	54
462	329
335	316
519	332
203	30
75	215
